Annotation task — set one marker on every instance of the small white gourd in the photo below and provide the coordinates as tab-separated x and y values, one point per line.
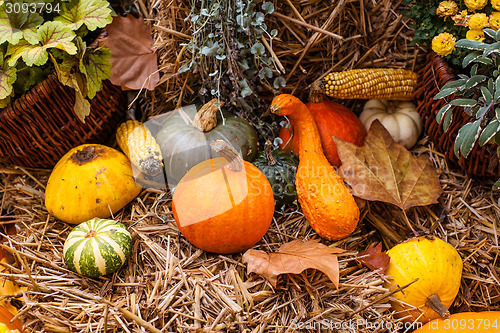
400	118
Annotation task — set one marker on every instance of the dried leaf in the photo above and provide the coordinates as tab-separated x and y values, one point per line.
132	55
374	258
294	257
382	170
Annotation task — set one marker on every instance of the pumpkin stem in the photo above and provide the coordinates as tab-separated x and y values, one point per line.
270	159
86	155
224	149
434	302
206	118
391	107
90	234
316	92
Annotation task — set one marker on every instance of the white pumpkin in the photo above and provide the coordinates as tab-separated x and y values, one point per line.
400	118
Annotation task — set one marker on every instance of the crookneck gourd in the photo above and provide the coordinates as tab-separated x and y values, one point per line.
436	268
333	120
186	134
325	200
225	204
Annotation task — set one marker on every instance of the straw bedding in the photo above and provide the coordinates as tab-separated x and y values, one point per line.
169	286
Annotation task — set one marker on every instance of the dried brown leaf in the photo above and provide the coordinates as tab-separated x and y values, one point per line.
133	59
294	257
382	170
374	258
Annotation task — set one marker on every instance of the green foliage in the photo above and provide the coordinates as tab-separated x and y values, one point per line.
228	51
34	32
478	93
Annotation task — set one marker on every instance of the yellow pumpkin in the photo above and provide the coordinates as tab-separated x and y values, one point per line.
436	266
400	118
90	181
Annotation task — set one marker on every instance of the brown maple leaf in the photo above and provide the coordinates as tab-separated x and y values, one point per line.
382	170
133	59
374	258
294	257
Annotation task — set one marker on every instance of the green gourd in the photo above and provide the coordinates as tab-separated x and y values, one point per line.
185	137
280	169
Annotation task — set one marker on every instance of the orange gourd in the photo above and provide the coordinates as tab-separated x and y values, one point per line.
325	200
223	205
332	119
465	322
5	322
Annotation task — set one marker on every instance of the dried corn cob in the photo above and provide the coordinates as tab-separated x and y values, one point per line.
367	83
137	142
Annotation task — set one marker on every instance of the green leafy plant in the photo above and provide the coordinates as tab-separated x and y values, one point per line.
478	93
228	49
41	38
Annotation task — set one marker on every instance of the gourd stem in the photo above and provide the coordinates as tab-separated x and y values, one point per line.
224	149
270	159
90	234
434	302
316	92
206	118
391	107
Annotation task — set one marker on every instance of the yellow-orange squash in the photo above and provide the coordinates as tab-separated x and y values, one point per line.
436	266
326	202
5	322
465	322
225	204
90	181
332	119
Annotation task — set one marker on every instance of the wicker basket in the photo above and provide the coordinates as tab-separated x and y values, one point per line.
38	128
482	161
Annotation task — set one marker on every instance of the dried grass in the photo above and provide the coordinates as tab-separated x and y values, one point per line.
169	286
374	35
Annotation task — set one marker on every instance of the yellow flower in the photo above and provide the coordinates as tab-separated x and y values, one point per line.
495	4
443	44
447	8
475	4
461	19
495	20
478	21
475	35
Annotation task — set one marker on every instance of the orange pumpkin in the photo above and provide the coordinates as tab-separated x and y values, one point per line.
465	322
6	326
223	205
325	200
332	119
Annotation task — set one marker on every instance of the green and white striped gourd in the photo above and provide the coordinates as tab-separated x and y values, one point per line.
97	247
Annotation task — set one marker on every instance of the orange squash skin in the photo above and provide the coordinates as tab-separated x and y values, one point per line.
332	119
465	322
5	318
326	202
223	211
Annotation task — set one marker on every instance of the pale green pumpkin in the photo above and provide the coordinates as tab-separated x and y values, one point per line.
97	247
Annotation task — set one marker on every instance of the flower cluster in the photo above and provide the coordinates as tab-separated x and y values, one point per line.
444	43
